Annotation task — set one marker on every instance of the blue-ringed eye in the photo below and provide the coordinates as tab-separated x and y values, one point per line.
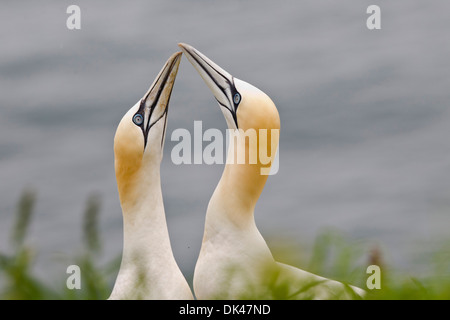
138	119
237	98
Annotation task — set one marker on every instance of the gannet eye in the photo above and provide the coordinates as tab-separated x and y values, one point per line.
237	98
138	119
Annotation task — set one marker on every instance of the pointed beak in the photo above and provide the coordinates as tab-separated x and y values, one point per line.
161	89
219	81
154	105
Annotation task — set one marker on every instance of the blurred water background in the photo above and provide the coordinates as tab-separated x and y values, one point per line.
365	118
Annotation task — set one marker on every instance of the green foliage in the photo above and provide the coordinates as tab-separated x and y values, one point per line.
20	284
94	278
18	280
333	256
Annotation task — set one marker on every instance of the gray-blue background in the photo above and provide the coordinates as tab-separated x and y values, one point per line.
365	117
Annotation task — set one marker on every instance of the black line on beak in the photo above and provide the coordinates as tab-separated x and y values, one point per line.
231	85
142	106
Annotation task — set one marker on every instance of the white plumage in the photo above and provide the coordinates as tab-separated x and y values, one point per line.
148	269
235	261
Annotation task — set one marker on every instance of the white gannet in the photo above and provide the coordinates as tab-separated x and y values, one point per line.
234	260
148	269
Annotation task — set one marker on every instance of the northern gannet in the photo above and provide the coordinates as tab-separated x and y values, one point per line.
148	269
234	260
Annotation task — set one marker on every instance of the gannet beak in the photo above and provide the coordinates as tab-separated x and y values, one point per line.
154	105
219	81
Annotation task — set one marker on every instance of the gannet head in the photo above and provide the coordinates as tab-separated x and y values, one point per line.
243	105
139	138
252	119
253	123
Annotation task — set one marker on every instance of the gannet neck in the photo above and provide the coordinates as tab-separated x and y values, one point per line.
136	175
145	228
147	259
251	152
148	269
233	252
140	190
241	183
